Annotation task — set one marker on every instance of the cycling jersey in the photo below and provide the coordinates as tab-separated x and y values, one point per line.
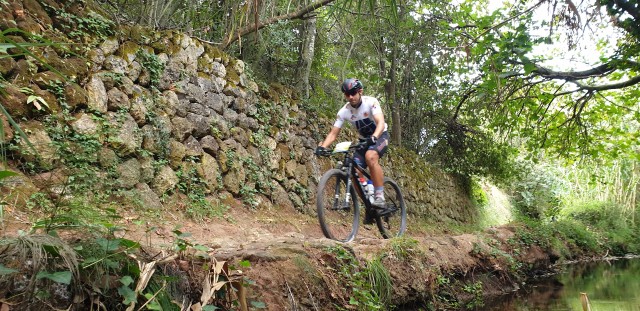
361	117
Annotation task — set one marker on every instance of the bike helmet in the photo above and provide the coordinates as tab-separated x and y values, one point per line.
351	85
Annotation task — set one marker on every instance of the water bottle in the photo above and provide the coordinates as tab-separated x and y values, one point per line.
363	182
370	191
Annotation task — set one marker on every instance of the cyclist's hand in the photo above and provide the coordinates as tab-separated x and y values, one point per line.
320	151
371	140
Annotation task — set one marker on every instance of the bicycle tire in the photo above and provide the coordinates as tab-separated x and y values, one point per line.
337	223
394	223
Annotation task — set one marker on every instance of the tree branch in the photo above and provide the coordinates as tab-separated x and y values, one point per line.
575	75
257	26
599	71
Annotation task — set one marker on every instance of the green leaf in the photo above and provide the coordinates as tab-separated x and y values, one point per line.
5	174
63	277
128	294
529	67
245	264
201	248
129	244
108	245
209	308
6	271
126	280
353	301
258	304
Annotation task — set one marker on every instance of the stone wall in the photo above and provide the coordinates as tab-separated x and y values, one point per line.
161	104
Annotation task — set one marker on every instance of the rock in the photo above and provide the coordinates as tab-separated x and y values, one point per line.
125	138
117	100
148	198
209	145
85	125
128	173
96	95
165	180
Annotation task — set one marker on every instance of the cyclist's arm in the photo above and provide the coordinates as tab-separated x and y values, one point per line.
379	119
331	137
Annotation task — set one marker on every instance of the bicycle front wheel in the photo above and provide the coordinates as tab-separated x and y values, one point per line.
338	211
393	221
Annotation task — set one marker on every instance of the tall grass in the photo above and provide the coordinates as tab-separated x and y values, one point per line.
614	186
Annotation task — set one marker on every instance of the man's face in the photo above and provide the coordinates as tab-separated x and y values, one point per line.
353	97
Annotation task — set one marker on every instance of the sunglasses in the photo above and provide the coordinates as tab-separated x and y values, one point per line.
351	92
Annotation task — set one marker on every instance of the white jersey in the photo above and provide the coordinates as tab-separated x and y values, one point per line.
361	117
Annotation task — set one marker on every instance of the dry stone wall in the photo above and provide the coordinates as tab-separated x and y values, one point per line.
165	109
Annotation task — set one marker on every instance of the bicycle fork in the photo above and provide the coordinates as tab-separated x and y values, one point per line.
347	198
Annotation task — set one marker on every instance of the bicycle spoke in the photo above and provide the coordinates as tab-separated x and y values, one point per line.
337	216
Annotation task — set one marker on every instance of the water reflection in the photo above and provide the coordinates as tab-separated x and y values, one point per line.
610	286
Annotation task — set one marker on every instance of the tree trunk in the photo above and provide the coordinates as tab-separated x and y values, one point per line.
307	50
396	133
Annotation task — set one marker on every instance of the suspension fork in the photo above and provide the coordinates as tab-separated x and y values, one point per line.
349	171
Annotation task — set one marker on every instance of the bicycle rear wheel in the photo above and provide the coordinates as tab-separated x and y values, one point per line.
393	222
338	213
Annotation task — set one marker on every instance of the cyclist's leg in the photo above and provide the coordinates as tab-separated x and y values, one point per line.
359	158
373	154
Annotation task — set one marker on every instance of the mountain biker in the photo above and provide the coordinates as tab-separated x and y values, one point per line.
365	113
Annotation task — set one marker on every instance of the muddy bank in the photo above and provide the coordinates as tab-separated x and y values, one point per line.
440	272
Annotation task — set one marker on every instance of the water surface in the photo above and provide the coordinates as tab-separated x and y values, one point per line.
609	285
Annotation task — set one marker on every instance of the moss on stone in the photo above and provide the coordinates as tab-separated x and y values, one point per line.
128	50
140	34
232	77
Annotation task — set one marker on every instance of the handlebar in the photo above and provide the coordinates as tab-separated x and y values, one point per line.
353	146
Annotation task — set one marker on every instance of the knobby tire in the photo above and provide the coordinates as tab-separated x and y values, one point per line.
338	221
393	224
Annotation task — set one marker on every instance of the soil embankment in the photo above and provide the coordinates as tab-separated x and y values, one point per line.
285	263
290	266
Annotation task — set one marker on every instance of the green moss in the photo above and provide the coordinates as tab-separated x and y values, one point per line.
232	77
128	48
140	34
215	53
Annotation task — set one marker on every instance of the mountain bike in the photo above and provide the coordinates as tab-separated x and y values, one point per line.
337	201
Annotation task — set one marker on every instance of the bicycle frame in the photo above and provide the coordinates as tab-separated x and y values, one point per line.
351	168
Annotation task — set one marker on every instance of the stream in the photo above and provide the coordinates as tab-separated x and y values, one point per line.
612	285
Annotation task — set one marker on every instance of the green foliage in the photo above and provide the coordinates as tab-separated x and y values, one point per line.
194	187
403	248
357	279
81	27
380	280
465	151
577	236
539	189
618	233
277	50
152	64
476	291
478	196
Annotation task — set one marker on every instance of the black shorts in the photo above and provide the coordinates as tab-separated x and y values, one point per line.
380	146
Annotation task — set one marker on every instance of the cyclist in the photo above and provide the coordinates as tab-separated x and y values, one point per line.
365	113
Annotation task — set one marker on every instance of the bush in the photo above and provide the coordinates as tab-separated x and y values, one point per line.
538	191
618	230
577	236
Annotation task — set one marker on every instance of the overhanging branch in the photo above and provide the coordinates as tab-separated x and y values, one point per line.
598	71
230	38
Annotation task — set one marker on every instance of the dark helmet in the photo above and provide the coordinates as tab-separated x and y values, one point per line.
350	85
